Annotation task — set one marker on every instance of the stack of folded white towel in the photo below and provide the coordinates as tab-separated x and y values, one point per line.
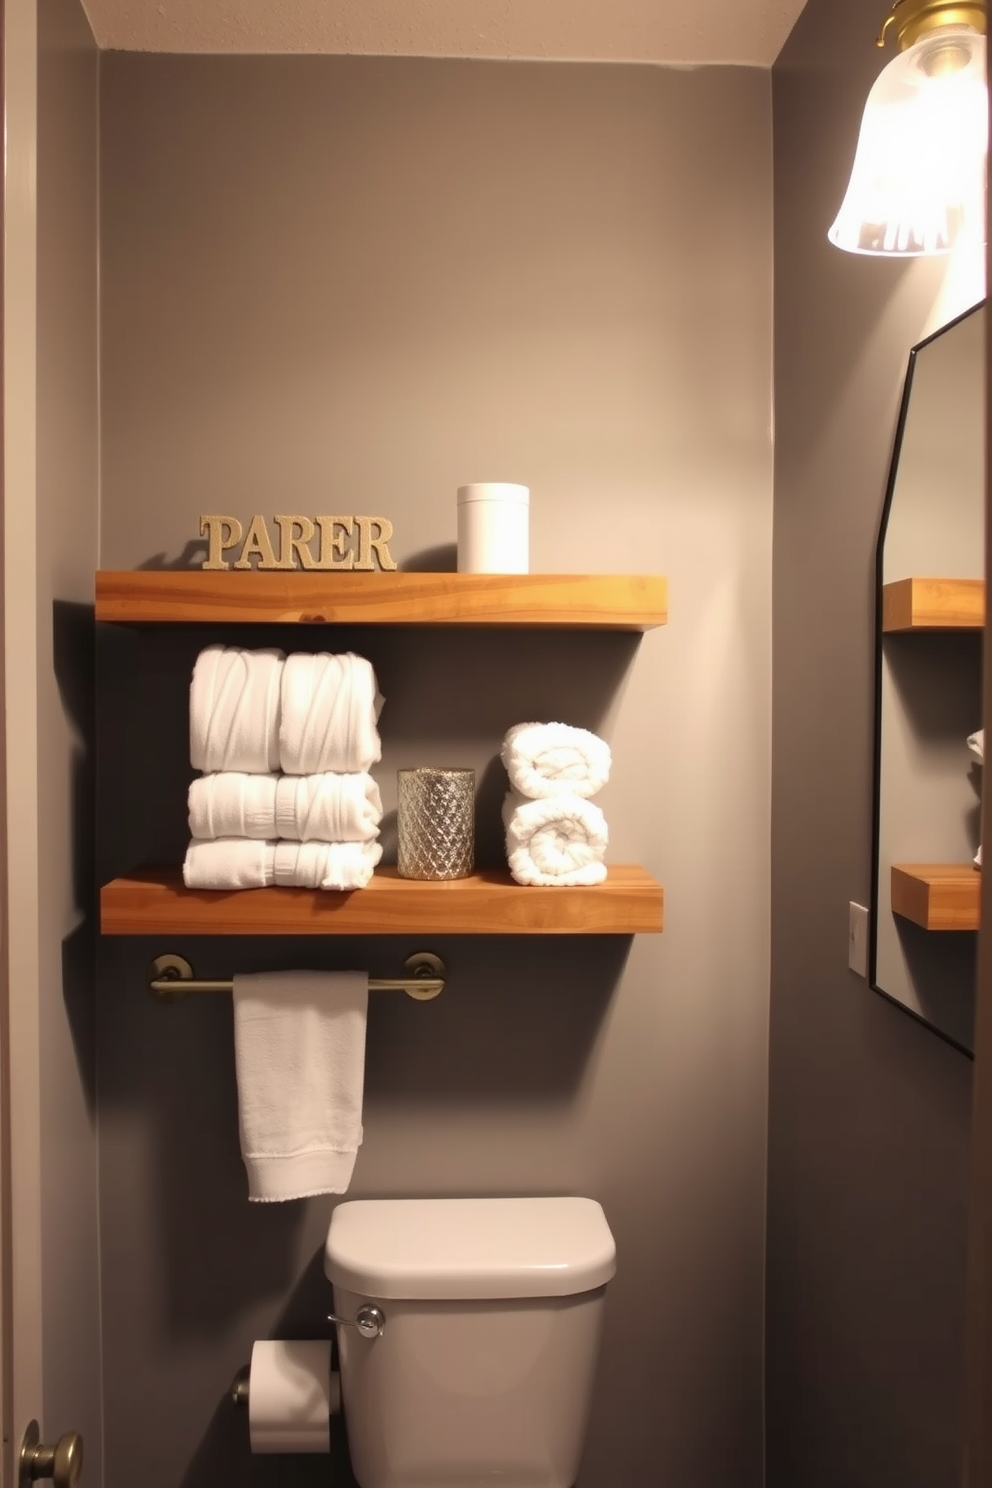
285	744
555	836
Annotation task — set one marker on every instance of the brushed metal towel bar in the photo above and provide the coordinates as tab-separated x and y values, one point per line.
171	978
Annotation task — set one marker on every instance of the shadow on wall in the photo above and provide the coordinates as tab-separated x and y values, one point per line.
73	661
224	1456
442	559
191	557
937	680
78	993
74	664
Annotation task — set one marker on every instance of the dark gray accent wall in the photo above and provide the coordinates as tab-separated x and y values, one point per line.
869	1110
334	284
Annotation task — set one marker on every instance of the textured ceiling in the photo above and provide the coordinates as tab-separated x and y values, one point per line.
666	31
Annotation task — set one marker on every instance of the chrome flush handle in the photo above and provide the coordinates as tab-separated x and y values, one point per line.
370	1321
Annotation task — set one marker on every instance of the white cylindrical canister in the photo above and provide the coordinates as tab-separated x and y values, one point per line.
493	527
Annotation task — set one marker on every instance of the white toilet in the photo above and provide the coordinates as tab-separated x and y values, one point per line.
489	1313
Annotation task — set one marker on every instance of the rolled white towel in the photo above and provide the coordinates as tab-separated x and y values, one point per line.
233	804
330	705
555	759
234	710
229	863
325	865
328	808
558	842
976	743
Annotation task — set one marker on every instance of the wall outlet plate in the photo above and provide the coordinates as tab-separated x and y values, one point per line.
857	939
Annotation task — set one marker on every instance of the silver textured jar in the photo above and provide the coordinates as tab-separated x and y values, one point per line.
435	822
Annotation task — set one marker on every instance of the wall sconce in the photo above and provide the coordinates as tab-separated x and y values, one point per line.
918	181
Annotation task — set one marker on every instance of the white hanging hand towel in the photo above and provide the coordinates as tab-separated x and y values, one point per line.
234	710
976	743
330	706
555	759
299	1048
229	863
559	842
233	804
325	865
328	808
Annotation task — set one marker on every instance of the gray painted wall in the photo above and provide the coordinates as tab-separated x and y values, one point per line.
869	1111
354	284
67	525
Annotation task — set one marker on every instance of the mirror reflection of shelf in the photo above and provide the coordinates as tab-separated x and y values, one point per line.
938	896
933	604
155	901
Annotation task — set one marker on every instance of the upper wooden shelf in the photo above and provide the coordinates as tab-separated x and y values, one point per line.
590	601
155	901
933	604
938	896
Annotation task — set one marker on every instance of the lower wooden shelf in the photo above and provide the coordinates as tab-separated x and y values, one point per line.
938	896
155	901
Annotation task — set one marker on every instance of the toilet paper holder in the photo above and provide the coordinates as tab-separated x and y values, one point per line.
370	1322
241	1390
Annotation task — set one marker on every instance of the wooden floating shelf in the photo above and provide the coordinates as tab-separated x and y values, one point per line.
155	901
933	604
938	896
587	601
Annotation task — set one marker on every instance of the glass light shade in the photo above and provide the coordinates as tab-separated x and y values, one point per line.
918	182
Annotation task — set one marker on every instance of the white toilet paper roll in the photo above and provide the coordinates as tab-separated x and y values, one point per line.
289	1395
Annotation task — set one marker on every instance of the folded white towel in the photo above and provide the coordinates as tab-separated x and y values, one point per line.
556	842
325	865
229	863
330	705
555	759
232	804
299	1047
976	743
234	710
328	807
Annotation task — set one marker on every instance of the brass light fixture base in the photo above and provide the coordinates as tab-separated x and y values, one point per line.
912	19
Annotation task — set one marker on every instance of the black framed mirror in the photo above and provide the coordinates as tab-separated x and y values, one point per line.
930	607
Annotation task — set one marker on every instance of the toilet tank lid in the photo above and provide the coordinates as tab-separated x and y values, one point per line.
453	1248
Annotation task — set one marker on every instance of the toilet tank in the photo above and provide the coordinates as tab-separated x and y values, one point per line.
483	1372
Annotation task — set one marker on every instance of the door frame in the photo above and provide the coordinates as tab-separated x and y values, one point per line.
20	1042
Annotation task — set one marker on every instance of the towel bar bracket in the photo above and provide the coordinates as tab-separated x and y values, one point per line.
171	978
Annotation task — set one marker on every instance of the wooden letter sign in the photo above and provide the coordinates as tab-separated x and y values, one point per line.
341	543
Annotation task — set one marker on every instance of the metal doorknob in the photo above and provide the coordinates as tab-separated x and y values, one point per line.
63	1463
